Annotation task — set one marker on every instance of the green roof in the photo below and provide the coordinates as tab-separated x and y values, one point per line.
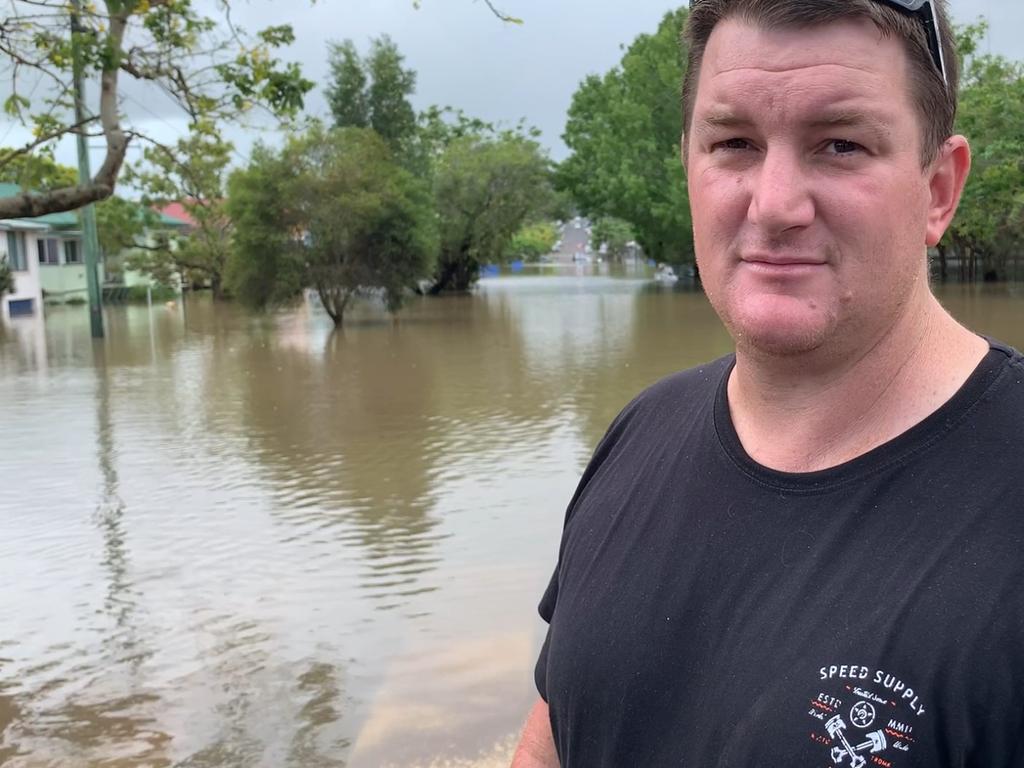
171	221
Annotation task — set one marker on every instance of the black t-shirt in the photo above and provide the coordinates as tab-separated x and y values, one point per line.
708	611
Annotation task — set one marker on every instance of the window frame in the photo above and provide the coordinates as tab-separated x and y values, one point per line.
16	256
48	256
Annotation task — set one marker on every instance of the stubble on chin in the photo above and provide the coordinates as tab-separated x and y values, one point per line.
809	325
760	334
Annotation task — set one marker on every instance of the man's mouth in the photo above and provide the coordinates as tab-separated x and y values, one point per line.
780	260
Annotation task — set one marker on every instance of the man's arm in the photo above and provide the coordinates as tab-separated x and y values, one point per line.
537	745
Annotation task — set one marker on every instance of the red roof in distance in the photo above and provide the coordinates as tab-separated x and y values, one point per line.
177	211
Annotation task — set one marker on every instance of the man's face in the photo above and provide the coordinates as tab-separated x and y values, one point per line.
809	202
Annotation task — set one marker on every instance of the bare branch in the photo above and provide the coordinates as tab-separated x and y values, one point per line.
502	15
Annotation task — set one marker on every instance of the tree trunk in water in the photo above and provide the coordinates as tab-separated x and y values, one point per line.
943	266
444	279
465	275
458	274
217	286
334	305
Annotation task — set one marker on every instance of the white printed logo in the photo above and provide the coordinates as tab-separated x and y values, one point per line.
864	715
875	742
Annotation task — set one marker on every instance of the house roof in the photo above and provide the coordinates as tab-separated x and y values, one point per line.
172	221
9	224
176	213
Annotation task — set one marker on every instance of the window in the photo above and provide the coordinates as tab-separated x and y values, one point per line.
71	252
20	307
16	252
48	250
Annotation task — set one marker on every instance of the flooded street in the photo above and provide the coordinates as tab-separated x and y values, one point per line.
229	540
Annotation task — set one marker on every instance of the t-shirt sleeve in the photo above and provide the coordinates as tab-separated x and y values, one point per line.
649	403
548	601
546	610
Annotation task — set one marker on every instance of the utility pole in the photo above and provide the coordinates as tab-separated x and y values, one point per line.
87	215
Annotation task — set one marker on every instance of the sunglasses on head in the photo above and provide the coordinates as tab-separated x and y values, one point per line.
924	10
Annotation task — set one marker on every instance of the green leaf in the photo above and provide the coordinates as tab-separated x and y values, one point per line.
15	103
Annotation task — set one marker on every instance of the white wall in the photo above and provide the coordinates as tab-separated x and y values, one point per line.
26	284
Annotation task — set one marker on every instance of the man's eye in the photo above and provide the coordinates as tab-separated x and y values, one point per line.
842	146
733	144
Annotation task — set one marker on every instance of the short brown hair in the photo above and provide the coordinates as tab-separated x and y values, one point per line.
934	100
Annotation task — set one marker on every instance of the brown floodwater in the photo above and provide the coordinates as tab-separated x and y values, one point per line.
229	540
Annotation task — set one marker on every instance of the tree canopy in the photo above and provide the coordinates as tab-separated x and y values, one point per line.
614	233
192	172
623	130
533	241
989	224
485	188
344	218
372	91
211	70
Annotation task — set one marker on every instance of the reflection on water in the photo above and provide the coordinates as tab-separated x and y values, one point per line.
239	541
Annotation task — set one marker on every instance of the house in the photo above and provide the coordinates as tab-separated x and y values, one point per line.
164	228
49	252
54	249
18	244
177	212
61	256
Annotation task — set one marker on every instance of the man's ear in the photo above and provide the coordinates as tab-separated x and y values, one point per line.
948	174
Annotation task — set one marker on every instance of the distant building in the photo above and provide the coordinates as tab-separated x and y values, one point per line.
48	262
52	254
18	239
166	226
177	212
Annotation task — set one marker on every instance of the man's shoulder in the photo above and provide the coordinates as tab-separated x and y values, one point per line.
683	387
1004	378
669	404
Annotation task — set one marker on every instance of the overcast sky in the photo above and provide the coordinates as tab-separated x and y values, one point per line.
465	57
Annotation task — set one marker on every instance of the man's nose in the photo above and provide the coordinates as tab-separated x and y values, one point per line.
781	196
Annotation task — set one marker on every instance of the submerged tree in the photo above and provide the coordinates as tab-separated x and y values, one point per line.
208	68
344	217
485	189
262	268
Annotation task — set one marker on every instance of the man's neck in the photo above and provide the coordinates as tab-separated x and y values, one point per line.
803	414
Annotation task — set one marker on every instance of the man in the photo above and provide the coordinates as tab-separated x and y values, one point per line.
809	553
